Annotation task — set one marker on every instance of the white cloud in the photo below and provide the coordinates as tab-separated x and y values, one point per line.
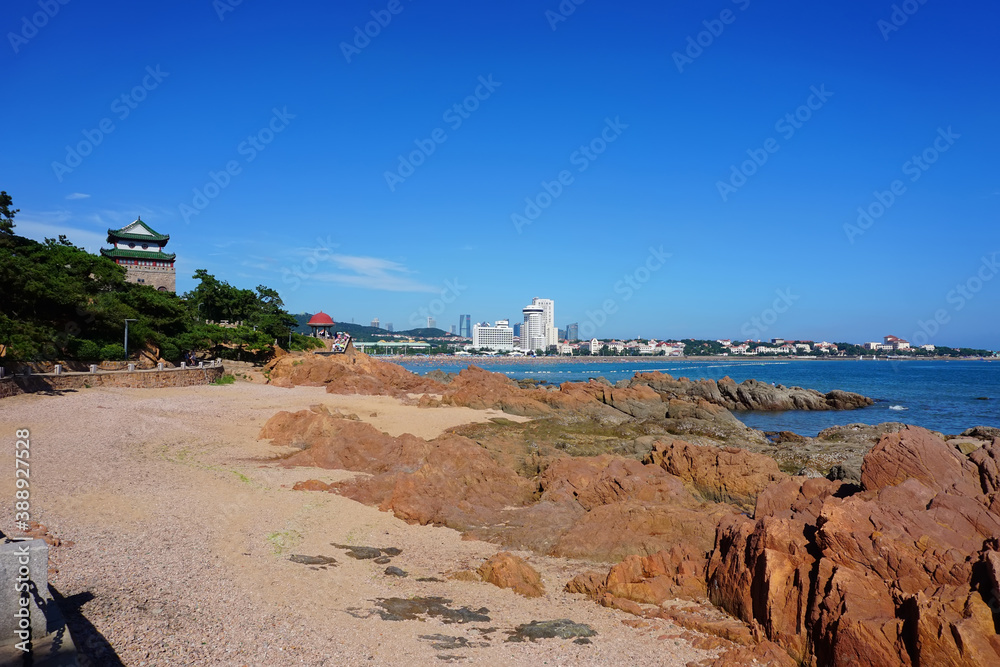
77	195
50	224
373	273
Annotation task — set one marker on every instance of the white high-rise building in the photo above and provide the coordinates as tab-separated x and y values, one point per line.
499	337
549	308
538	331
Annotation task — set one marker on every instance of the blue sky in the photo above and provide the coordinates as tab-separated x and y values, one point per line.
635	128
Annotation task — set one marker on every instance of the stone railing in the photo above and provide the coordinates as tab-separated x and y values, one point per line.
62	380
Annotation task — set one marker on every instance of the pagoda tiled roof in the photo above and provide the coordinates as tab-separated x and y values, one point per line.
137	254
153	235
320	319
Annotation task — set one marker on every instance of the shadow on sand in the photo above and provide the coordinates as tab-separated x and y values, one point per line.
91	645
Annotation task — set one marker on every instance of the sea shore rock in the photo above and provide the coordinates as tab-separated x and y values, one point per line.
350	373
505	570
749	394
893	574
728	475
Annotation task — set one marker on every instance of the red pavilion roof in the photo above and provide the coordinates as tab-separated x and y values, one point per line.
321	319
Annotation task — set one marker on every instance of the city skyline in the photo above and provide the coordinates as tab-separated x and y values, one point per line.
682	171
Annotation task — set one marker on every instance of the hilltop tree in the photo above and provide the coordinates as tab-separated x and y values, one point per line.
7	213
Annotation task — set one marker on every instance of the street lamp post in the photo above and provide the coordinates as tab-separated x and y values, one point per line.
126	337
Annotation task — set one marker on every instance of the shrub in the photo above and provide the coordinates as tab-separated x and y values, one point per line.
88	350
113	352
170	352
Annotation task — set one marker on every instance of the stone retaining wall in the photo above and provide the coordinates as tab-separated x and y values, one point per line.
26	384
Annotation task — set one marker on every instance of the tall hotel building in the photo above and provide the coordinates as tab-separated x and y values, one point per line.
539	329
499	337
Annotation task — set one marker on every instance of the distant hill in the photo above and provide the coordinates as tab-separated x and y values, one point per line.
427	333
366	333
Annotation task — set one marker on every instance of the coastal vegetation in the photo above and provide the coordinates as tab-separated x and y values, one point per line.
60	302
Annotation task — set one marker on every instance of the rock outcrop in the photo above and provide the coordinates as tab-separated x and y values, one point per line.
505	570
901	572
350	373
598	508
749	394
605	508
727	475
678	573
449	480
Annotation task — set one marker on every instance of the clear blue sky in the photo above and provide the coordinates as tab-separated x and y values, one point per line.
314	215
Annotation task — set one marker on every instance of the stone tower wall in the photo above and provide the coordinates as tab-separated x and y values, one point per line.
154	276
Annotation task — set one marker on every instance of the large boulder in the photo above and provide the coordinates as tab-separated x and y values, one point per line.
505	570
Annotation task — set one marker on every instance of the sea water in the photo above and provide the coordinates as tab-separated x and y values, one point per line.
940	395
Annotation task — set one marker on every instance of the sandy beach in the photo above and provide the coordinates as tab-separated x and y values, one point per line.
182	527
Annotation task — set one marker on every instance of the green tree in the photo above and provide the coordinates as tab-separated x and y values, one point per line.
7	213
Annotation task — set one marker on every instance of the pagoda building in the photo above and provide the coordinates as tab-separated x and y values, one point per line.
139	248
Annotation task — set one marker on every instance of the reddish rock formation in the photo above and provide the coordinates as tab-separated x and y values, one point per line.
895	574
764	653
665	575
311	485
750	394
505	570
606	508
602	508
480	389
350	373
646	396
449	480
722	475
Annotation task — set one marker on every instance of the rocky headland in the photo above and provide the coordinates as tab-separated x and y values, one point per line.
867	545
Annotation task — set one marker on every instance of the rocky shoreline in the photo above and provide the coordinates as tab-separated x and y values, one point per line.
765	533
